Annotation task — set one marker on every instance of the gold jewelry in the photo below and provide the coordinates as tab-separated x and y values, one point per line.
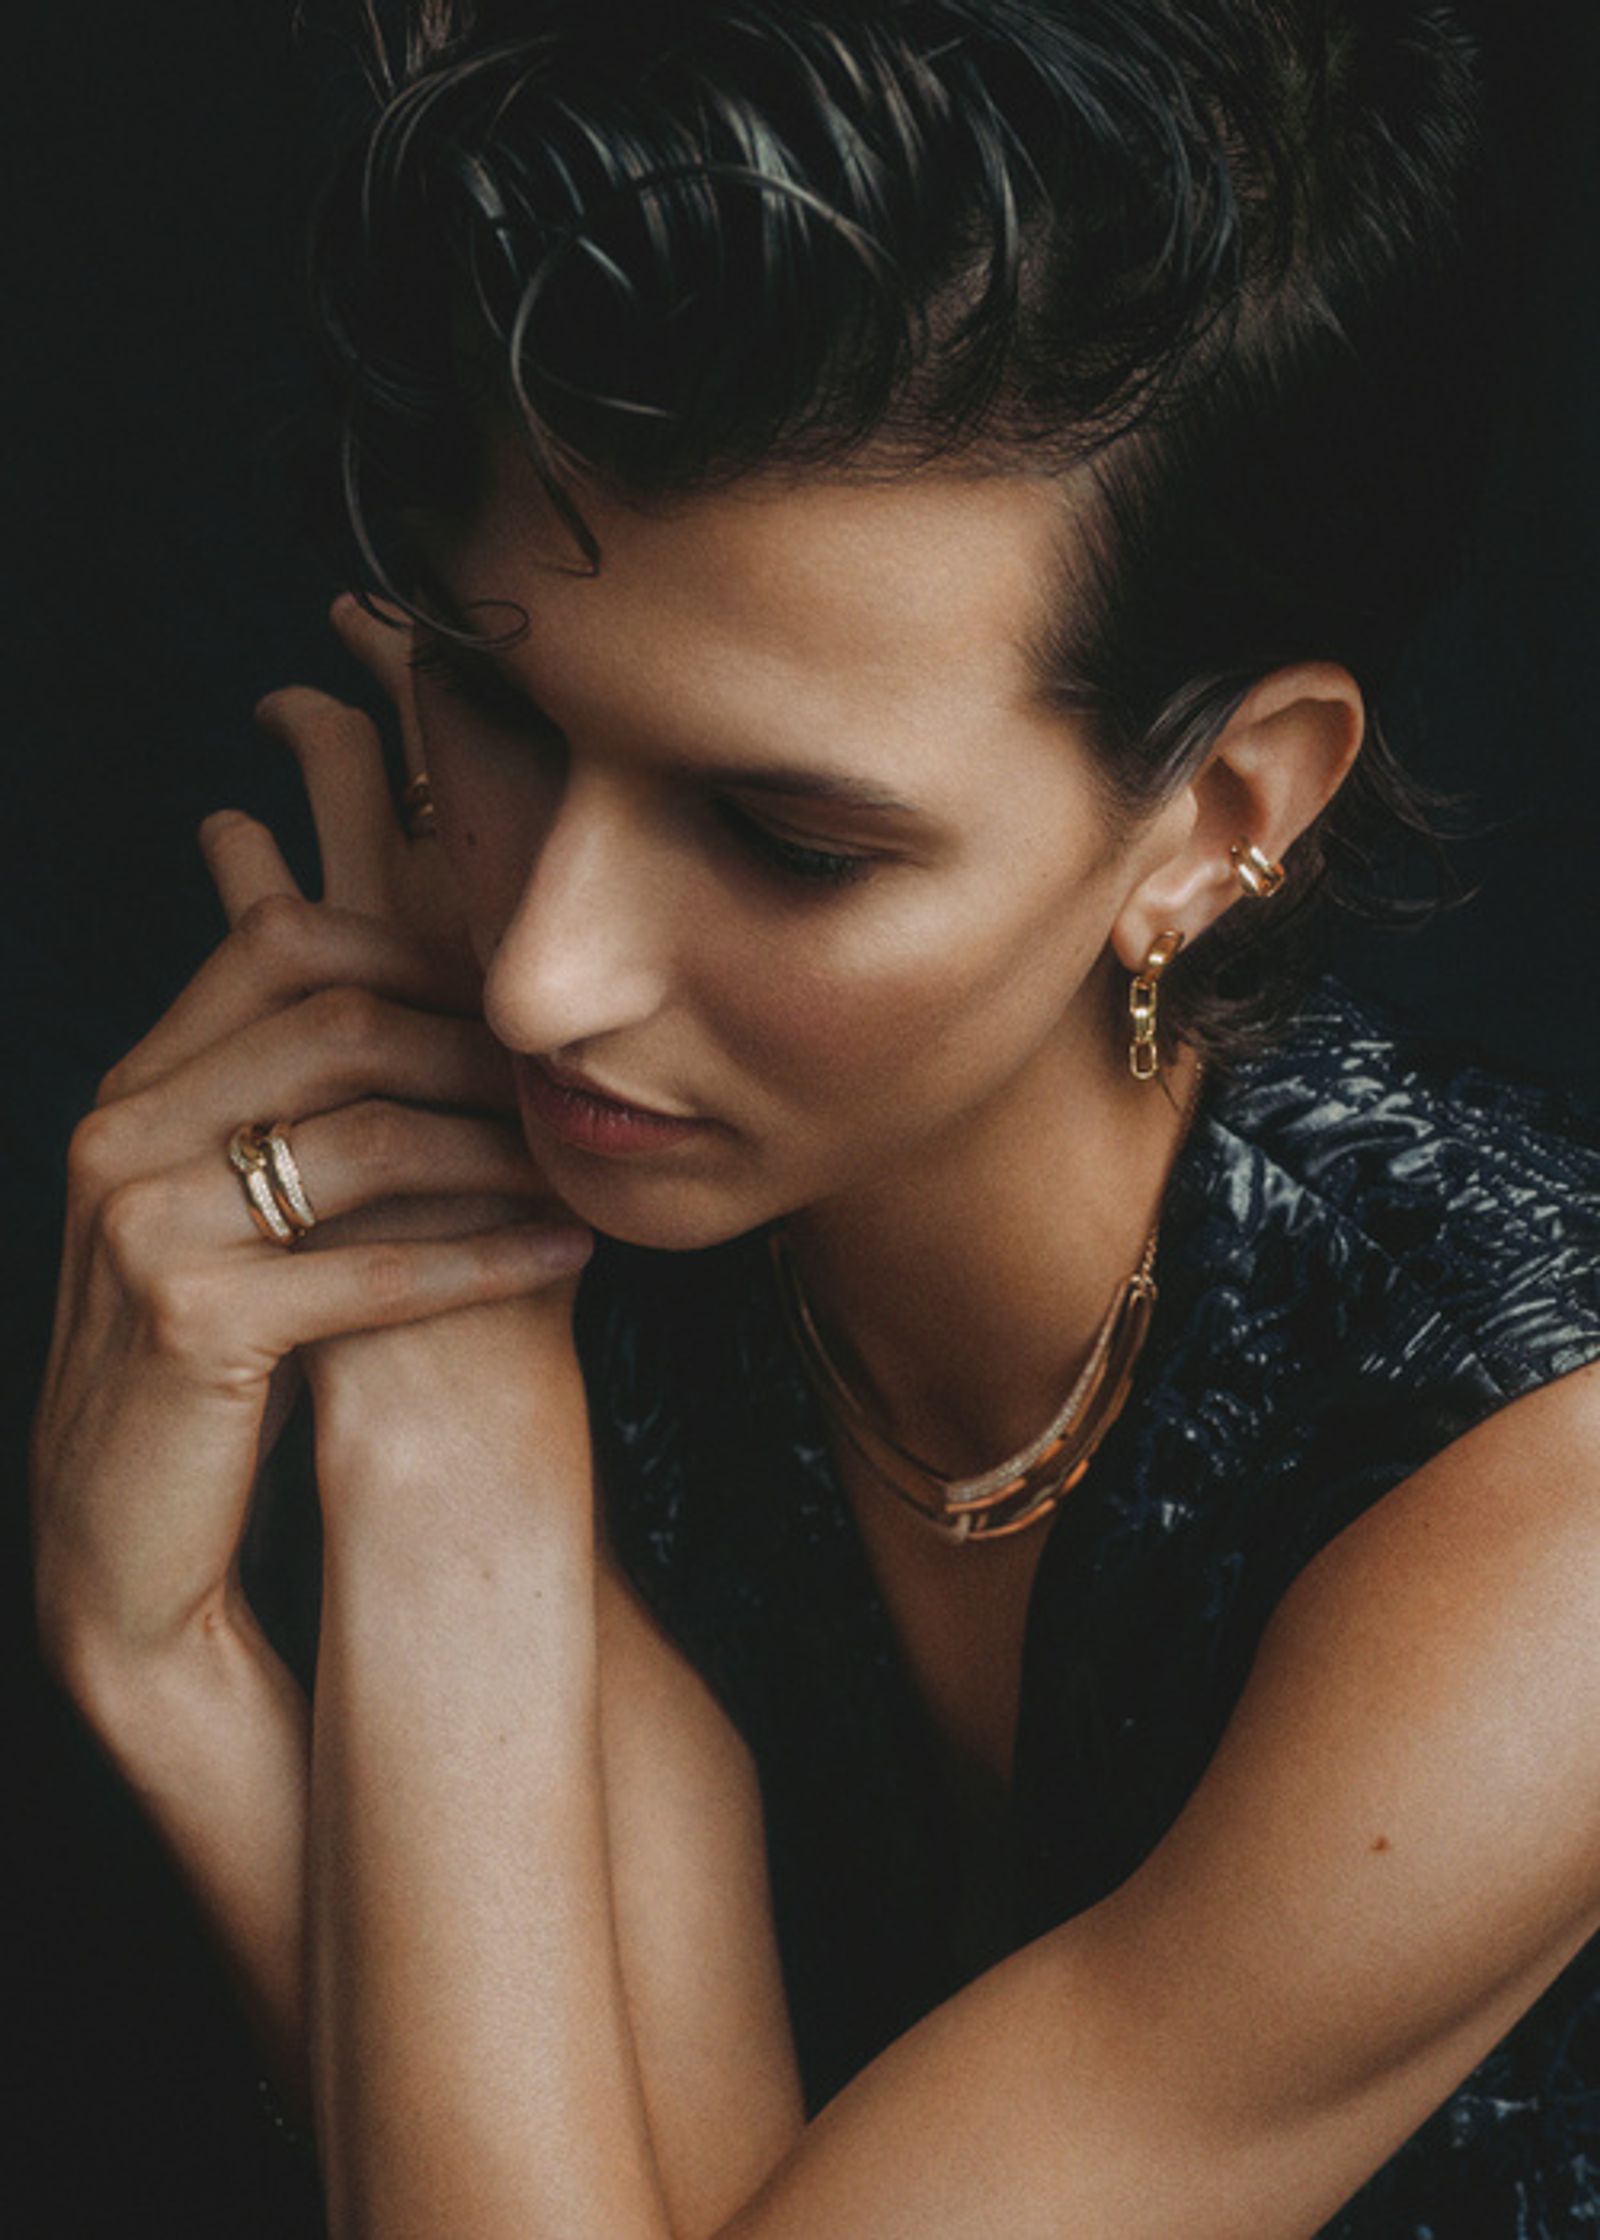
287	1181
1027	1486
417	810
1144	1054
1258	873
274	1188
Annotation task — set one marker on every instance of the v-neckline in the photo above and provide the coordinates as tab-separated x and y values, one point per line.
1071	1535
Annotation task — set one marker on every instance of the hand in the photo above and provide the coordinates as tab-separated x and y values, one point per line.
371	863
393	1402
353	1020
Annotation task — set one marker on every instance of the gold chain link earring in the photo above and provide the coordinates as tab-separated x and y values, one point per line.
1144	1055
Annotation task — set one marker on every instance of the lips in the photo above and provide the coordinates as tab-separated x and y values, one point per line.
567	1105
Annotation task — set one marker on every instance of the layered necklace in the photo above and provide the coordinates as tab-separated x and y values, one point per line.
1028	1485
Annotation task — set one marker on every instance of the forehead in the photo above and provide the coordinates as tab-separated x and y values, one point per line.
887	591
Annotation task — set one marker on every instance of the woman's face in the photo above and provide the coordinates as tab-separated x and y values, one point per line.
765	830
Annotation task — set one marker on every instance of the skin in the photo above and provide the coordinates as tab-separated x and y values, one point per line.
541	1988
922	1065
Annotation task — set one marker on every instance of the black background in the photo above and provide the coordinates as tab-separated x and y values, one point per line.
153	590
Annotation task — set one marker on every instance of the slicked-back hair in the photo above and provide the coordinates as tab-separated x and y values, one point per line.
1200	259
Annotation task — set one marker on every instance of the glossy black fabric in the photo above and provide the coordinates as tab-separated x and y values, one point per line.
1364	1252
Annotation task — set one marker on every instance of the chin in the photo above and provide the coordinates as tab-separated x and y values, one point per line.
676	1216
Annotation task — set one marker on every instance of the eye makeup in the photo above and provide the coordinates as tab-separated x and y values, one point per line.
793	859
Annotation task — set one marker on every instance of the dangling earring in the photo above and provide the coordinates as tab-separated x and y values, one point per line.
417	812
1258	874
1144	1056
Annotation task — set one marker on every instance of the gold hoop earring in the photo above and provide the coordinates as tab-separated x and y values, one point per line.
1258	873
1144	1055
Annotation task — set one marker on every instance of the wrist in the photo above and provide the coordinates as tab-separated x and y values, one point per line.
150	1704
473	1434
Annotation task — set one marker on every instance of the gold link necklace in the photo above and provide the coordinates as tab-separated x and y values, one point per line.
1027	1487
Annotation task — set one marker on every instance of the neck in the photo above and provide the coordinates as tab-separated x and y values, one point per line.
964	1293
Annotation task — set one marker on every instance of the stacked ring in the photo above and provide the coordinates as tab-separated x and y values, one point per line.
270	1176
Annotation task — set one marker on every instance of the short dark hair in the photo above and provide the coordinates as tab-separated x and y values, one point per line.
1201	257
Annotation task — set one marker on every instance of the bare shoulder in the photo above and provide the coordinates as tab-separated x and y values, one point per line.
1491	1548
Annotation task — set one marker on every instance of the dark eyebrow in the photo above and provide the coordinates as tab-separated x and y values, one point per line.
812	785
477	667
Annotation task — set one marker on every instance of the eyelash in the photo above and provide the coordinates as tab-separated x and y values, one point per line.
791	859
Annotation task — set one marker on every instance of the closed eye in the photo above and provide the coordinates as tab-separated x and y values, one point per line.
470	677
794	859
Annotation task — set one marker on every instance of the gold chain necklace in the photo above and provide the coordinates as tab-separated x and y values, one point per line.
1025	1488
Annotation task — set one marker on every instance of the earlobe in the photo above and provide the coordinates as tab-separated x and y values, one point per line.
1276	765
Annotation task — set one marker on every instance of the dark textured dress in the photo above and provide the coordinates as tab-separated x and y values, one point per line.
1364	1252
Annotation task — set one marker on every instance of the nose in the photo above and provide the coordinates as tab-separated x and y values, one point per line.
587	950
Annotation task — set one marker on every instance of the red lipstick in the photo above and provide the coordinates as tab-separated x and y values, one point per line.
566	1105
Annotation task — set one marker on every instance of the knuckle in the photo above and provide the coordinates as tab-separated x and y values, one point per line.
94	1153
183	1313
350	1017
275	926
131	1216
117	1083
388	1278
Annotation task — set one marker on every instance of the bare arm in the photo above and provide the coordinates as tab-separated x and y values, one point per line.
694	1927
168	1379
1337	1929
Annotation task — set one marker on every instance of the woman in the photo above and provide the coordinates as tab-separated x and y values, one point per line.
891	518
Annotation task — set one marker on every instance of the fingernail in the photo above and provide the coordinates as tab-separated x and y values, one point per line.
567	1250
551	1251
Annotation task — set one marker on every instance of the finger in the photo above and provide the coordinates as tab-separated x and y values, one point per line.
299	1300
173	1398
341	760
420	1220
461	1171
384	648
332	1049
245	862
282	949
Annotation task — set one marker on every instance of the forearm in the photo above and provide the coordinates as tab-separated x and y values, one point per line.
212	1736
473	2062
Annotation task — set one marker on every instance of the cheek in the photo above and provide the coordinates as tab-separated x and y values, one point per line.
943	993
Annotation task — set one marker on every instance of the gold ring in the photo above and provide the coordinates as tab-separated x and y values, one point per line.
287	1181
274	1188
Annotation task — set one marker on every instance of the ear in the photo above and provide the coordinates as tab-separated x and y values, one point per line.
1281	758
